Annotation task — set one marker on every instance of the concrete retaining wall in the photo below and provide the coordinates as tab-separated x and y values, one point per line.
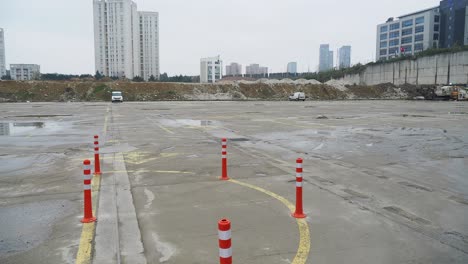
434	70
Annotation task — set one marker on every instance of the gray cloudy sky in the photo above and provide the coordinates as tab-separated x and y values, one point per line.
58	34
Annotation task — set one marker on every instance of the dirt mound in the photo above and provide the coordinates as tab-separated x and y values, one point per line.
13	91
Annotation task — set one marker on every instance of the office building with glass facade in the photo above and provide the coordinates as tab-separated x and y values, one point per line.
408	34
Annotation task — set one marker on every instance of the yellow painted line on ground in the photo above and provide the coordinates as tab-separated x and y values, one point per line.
85	248
165	129
304	234
104	129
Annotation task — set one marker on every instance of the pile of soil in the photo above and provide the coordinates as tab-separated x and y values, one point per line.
77	90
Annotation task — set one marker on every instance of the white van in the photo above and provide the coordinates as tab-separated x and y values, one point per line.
297	96
117	96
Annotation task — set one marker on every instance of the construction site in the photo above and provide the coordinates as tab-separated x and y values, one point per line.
364	181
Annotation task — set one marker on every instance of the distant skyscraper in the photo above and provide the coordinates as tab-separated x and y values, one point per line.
235	69
2	54
211	69
344	57
330	60
292	67
326	58
126	42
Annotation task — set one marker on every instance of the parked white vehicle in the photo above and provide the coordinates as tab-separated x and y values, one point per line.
297	96
117	96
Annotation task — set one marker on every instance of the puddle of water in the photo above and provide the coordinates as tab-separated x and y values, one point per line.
239	139
186	122
32	116
22	128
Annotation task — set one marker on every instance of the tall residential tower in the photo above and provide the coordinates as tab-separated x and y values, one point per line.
126	42
2	54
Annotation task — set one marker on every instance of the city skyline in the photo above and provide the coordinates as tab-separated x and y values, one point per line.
71	40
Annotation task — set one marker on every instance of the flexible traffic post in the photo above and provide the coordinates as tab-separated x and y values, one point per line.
299	213
97	163
224	237
224	174
88	203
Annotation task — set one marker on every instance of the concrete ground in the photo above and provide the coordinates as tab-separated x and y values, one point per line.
385	181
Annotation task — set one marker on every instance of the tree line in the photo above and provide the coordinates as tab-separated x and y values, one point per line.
98	76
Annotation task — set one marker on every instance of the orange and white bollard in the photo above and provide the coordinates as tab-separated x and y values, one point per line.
224	174
88	203
97	163
224	236
299	213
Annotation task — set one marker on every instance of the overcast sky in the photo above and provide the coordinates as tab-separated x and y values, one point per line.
58	34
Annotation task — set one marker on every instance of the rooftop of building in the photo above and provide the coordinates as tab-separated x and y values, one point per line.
418	12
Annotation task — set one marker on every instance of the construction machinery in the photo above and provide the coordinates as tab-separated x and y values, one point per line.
451	92
459	94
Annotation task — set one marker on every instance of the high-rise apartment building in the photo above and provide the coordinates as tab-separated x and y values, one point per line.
409	34
292	67
126	42
24	72
234	69
344	57
2	54
326	58
211	69
453	23
149	44
256	70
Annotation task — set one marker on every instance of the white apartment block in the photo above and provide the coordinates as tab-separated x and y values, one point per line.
2	54
409	34
211	69
256	69
149	44
24	72
292	67
235	69
126	41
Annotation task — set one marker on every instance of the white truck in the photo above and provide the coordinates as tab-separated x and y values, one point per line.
117	96
297	96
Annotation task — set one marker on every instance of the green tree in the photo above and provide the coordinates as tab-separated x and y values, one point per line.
138	79
152	78
164	77
98	75
6	77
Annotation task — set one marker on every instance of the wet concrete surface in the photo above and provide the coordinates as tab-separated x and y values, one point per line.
385	181
41	146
